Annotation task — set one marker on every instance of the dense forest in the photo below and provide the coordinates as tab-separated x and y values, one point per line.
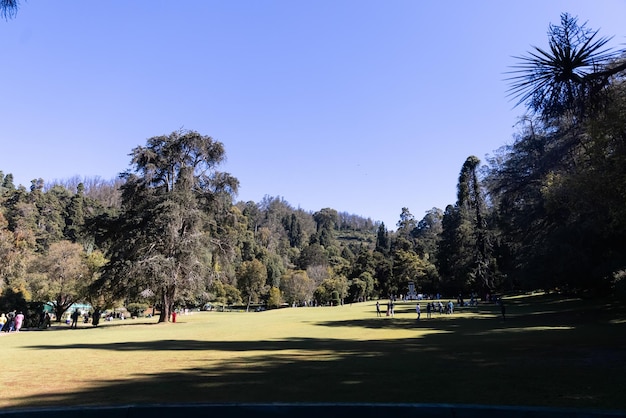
546	212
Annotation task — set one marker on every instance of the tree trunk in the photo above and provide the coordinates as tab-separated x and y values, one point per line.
164	316
249	300
167	303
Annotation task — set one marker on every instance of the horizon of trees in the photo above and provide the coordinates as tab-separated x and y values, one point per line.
546	212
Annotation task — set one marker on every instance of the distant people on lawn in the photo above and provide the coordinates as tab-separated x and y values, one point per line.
19	321
75	316
9	325
96	317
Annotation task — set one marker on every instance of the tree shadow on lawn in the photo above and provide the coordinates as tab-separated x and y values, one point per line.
528	360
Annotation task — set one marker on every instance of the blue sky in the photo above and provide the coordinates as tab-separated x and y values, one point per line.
362	106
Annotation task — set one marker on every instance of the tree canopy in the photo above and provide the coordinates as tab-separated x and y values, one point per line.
546	211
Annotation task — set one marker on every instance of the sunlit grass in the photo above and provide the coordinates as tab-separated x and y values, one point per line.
549	356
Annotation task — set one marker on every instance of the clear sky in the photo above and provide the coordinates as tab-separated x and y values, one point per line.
362	106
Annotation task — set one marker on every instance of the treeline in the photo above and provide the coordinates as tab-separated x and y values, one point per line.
546	212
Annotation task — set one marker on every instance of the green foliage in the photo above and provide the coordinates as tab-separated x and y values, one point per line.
331	290
548	212
60	276
251	280
297	287
274	299
137	309
171	206
559	188
12	300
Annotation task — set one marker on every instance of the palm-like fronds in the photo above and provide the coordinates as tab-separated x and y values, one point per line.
8	8
562	77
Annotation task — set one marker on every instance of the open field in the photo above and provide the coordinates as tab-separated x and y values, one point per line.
550	351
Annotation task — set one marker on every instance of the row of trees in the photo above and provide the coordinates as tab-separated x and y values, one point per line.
545	212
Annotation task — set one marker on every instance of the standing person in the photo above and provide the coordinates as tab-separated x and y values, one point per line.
96	317
3	321
42	319
502	309
418	310
429	308
75	316
392	307
19	321
10	325
378	309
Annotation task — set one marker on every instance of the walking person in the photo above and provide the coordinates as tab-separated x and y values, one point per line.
429	308
418	311
378	309
19	321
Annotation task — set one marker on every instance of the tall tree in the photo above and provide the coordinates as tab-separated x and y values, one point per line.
382	239
406	224
251	280
473	209
326	220
569	75
75	218
297	286
465	255
169	202
60	276
427	233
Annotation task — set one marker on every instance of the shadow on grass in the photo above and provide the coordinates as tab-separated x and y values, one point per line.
529	359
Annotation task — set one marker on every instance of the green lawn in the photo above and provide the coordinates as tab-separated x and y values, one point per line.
550	351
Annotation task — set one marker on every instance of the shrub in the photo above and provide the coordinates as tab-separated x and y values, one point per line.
137	309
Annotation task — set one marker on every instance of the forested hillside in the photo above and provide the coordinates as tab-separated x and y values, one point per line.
547	211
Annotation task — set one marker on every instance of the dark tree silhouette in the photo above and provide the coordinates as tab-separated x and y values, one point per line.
576	66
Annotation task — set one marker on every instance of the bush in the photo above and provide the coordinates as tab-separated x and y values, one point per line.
274	299
137	309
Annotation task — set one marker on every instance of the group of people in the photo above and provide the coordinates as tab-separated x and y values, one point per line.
390	308
435	306
438	306
12	321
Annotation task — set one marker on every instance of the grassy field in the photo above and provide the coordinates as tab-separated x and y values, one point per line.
550	351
